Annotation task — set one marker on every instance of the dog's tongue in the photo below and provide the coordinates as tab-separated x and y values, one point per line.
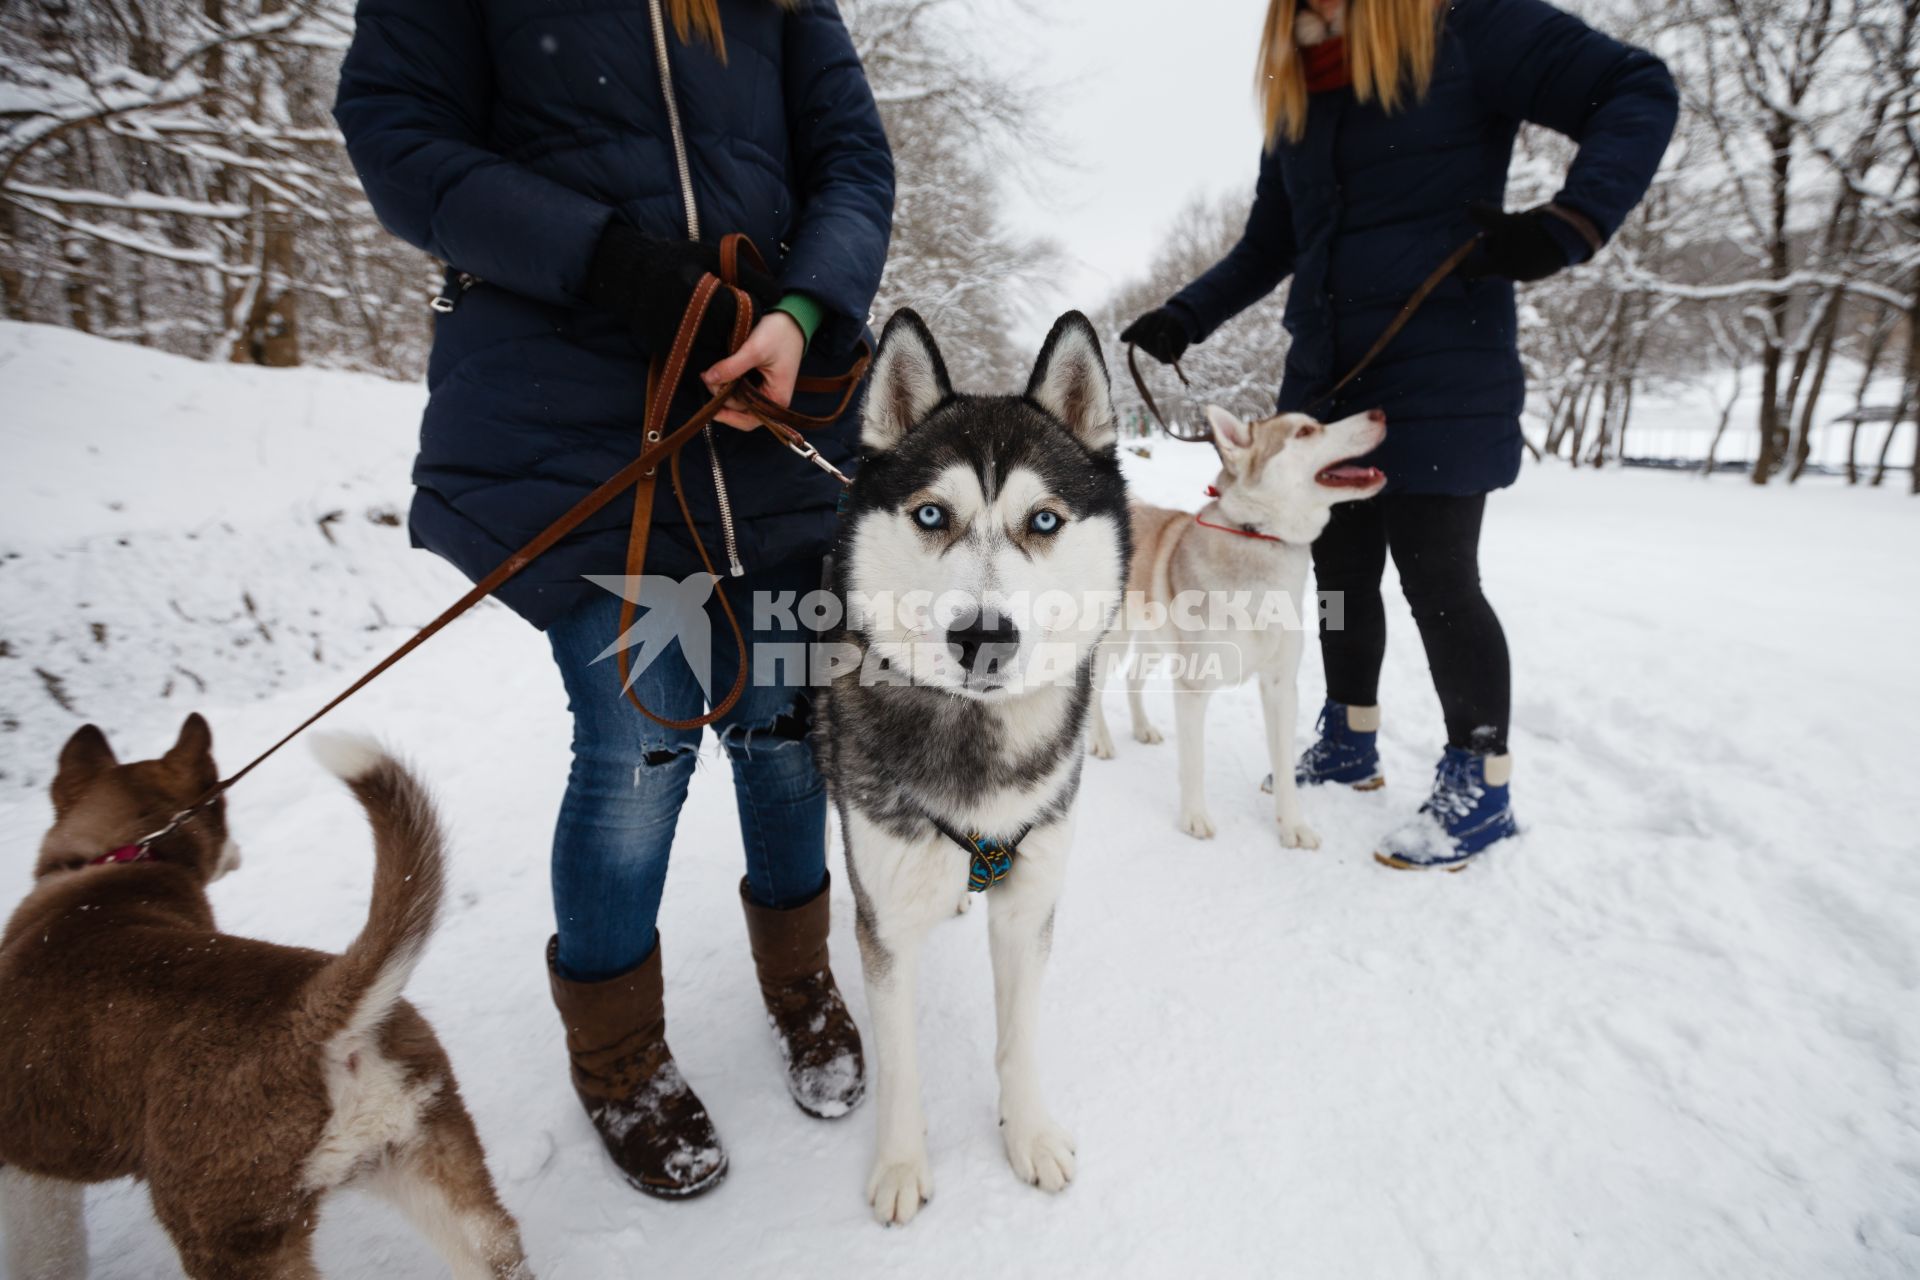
1347	475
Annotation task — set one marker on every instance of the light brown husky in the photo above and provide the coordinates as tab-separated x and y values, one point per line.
1279	481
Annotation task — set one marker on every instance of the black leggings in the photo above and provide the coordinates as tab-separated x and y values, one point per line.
1435	540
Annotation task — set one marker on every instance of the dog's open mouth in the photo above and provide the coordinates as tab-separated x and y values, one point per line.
1344	475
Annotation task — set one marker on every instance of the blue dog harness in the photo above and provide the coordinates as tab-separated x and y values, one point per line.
991	858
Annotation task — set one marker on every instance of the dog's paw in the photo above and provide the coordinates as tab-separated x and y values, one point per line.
897	1189
1298	835
1197	824
1041	1154
1101	746
1146	733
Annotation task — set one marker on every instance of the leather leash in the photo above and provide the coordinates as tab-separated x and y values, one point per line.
663	381
1407	309
1140	385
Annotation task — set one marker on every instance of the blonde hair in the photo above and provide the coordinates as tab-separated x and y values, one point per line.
1390	51
702	18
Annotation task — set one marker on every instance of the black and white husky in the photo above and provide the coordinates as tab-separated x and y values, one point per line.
982	558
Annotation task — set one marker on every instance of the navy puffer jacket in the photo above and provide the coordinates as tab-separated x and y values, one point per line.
502	136
1363	207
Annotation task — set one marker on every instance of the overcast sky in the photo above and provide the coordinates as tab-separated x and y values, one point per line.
1154	101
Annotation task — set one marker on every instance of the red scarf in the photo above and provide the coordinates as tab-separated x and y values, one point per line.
1326	64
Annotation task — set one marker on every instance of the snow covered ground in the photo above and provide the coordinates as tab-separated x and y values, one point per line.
1674	1032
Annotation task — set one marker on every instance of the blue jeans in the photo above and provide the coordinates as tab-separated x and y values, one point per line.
630	775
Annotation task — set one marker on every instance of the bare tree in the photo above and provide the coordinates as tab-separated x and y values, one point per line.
1239	366
955	118
168	174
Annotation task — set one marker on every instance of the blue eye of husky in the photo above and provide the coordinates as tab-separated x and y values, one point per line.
930	515
1044	522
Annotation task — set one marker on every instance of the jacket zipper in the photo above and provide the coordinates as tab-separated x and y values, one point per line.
444	302
728	537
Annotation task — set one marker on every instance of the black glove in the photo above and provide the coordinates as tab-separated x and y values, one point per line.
1160	334
1517	246
648	282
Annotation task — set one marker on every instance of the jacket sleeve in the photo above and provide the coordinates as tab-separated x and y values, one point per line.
1253	268
415	93
843	173
1533	62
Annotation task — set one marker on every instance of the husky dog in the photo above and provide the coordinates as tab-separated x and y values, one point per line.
242	1080
953	752
1279	481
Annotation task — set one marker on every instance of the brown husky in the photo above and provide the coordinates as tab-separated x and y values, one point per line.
241	1080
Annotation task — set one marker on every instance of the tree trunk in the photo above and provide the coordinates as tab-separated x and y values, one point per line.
1626	411
1886	447
13	281
1910	396
1579	440
1803	437
1556	414
1767	460
270	331
1726	416
1773	431
1876	347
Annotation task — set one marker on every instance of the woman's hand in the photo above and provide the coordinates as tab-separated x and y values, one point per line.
648	281
773	350
1160	334
1520	246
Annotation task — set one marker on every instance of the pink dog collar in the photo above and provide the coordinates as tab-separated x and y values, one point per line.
125	853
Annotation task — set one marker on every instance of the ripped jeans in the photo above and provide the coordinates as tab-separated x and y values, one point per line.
630	777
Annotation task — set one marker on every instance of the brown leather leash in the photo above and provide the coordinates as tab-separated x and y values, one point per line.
1407	309
658	443
1140	385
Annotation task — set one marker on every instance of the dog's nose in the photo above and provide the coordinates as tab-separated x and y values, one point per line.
983	644
1377	416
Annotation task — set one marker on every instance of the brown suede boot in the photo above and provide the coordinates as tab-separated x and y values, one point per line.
653	1125
826	1073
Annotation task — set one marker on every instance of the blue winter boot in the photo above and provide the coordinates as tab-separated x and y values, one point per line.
1465	815
1342	754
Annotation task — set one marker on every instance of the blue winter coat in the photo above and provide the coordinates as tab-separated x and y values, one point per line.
502	136
1366	205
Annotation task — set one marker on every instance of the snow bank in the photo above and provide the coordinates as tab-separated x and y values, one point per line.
1675	1032
177	535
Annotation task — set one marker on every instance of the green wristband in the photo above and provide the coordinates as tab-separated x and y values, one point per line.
805	312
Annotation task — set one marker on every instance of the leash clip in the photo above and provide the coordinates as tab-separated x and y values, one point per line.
804	447
173	824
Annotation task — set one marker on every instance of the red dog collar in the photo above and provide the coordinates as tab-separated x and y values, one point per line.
1238	533
125	853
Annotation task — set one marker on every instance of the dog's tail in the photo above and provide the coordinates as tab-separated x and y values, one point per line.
356	991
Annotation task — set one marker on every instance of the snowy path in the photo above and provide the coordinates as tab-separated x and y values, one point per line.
1674	1033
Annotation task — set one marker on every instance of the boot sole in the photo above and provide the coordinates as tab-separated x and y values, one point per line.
675	1191
1401	864
1371	784
853	1105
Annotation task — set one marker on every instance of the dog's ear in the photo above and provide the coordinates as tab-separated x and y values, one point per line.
86	756
908	382
1070	382
191	755
1232	438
